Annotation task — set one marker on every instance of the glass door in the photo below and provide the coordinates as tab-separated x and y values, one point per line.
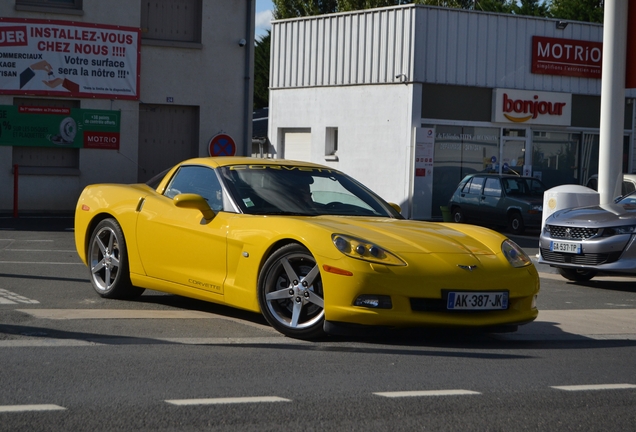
513	156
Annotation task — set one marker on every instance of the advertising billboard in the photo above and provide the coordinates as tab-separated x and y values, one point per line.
69	59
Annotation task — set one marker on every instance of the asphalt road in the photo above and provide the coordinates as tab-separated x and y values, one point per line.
70	360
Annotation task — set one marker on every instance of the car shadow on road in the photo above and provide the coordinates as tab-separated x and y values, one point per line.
627	285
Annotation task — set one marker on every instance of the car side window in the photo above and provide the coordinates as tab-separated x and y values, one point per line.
628	187
476	184
197	180
492	187
466	187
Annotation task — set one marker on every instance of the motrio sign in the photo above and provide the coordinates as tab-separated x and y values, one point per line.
532	107
566	57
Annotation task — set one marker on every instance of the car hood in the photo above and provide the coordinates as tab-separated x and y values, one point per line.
595	216
409	236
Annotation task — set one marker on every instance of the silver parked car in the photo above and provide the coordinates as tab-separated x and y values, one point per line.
583	242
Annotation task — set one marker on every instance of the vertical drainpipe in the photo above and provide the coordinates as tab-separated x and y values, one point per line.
247	108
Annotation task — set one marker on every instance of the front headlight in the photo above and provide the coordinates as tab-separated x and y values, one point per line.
364	250
628	229
514	254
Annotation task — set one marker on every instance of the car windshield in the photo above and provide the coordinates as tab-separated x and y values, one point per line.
523	187
295	190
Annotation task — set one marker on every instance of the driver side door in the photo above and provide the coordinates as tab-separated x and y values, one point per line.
177	244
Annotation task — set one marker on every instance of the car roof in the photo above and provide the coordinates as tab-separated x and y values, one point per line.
499	175
221	161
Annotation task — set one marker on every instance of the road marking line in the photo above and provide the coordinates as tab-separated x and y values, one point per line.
221	401
68	314
458	392
39	250
71	314
22	408
13	298
595	387
40	262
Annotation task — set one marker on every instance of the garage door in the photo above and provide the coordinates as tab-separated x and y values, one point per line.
297	144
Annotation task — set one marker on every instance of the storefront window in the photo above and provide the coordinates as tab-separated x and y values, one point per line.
460	151
555	157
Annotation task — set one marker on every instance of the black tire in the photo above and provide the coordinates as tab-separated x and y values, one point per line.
108	262
458	215
290	293
515	223
577	275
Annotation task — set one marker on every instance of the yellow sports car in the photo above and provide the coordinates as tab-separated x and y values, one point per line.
307	246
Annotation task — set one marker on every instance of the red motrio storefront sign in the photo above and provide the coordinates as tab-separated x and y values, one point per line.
529	107
101	140
567	57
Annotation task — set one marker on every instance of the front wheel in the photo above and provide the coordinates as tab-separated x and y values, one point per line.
290	293
108	262
577	275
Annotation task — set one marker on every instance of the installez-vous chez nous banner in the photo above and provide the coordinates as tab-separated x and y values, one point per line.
69	59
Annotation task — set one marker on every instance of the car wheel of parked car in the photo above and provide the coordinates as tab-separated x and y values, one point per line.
290	293
515	223
458	215
577	275
108	262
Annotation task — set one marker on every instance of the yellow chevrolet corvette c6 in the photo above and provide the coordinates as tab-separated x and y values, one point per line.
307	246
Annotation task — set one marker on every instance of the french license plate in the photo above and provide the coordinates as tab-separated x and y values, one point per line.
462	300
573	248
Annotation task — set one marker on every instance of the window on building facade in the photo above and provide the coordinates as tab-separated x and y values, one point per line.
49	4
331	143
171	20
46	160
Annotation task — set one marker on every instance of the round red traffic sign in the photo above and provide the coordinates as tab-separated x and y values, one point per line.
222	145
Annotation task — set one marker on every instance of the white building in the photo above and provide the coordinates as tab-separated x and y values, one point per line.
410	99
165	76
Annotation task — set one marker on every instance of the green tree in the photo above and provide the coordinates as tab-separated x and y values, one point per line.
261	71
536	8
501	6
578	10
299	8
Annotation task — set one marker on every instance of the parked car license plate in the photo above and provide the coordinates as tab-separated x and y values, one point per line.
574	248
463	300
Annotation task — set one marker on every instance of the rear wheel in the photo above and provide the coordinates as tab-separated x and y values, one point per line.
108	262
577	275
290	293
515	223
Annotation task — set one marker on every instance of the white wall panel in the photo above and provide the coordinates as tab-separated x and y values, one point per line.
427	44
368	47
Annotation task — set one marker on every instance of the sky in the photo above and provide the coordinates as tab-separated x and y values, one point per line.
263	17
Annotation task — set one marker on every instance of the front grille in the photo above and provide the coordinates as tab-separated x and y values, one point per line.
572	233
581	259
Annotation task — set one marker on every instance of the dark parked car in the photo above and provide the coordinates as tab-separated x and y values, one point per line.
499	200
582	242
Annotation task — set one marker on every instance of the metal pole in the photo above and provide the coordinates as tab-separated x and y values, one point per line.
610	167
15	191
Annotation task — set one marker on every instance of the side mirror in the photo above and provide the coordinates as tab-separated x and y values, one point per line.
194	201
396	207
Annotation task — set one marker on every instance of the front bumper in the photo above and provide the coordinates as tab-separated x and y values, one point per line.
423	283
615	254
